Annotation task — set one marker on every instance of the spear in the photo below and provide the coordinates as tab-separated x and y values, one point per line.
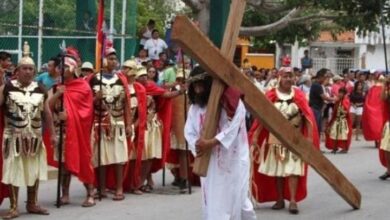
100	51
61	138
384	37
185	118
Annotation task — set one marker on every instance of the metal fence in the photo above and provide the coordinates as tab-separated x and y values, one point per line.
335	64
44	24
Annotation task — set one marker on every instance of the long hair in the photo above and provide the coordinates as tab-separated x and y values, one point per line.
200	99
356	87
155	78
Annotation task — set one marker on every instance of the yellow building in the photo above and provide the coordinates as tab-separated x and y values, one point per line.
260	60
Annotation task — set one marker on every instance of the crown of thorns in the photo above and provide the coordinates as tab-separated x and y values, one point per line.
196	78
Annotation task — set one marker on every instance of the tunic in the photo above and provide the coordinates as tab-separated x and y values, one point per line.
385	142
153	133
225	189
24	153
263	187
339	128
279	161
113	143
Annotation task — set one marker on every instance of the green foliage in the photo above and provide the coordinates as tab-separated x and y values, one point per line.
60	14
158	10
360	15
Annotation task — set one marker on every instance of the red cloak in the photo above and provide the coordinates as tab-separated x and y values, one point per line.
373	117
330	143
164	112
264	187
4	189
78	103
386	118
133	178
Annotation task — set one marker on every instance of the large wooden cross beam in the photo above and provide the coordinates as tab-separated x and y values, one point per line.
214	62
233	24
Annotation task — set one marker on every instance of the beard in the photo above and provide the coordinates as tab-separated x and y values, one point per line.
201	99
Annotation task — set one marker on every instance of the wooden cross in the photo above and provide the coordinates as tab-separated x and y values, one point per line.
220	66
228	48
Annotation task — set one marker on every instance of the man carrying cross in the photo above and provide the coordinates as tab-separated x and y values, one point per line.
225	189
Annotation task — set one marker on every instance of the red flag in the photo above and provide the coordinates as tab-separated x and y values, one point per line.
100	36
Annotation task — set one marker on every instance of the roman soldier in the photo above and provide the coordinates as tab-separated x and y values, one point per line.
373	112
277	173
177	160
384	149
339	132
25	111
112	104
77	119
158	126
132	182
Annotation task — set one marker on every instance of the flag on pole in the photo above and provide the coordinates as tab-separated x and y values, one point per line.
100	37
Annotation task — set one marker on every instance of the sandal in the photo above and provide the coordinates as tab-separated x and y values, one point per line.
37	210
118	197
385	176
64	201
278	205
136	192
87	203
146	188
149	187
293	209
103	195
11	214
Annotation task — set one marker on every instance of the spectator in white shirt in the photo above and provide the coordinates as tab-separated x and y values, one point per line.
155	46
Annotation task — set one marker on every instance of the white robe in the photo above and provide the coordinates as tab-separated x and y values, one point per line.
225	189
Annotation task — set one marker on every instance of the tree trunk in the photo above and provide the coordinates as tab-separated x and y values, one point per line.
203	17
201	10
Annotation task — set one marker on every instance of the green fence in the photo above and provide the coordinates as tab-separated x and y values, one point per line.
72	21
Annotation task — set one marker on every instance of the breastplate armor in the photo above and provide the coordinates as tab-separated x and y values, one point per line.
133	102
285	104
341	114
24	107
113	98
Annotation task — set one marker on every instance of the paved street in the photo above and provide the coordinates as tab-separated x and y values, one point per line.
361	166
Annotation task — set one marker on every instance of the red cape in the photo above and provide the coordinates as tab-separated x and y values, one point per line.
382	157
330	143
264	187
134	174
78	103
4	189
164	112
373	117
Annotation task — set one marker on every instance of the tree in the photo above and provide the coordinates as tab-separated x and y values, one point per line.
8	5
159	10
290	20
